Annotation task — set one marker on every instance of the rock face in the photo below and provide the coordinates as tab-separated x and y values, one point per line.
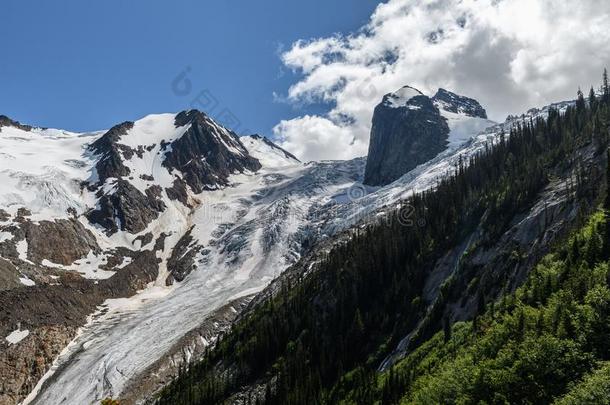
207	153
29	360
7	122
407	130
111	163
448	101
410	128
127	209
182	260
62	241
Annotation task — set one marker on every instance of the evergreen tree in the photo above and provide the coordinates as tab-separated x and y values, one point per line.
447	329
592	98
607	200
605	87
580	100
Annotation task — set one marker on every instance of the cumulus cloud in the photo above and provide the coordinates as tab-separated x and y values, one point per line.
508	54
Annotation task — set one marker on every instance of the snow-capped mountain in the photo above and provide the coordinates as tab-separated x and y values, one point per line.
173	206
410	128
124	253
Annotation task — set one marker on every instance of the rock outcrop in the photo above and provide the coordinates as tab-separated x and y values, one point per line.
448	101
407	130
410	128
7	122
125	208
207	153
62	241
112	152
182	260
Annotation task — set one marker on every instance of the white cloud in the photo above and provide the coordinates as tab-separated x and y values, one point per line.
318	138
509	54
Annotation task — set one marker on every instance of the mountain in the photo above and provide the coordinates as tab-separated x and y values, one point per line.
155	230
410	128
489	287
127	227
170	243
447	101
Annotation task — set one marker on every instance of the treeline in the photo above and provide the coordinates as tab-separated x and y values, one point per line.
321	340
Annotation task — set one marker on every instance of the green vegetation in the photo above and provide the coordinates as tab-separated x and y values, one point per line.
531	346
321	340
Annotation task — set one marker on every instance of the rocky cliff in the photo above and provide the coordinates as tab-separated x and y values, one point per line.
410	128
407	130
448	101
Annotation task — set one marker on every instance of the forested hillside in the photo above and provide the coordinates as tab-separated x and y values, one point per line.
548	342
533	338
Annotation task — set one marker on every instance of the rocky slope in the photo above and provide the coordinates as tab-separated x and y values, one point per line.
91	218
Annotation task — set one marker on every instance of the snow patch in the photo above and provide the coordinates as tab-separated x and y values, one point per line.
400	97
88	267
26	281
17	336
463	128
22	250
269	156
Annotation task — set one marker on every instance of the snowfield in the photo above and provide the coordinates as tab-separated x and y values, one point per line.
42	169
400	97
135	332
17	336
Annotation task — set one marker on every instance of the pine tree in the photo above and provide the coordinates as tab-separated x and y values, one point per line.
605	88
607	201
580	100
447	329
592	98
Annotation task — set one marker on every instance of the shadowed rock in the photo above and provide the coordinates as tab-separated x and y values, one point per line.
207	153
62	241
407	131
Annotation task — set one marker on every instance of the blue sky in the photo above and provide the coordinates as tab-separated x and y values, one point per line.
88	65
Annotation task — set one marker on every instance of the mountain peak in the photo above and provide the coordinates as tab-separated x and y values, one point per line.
188	116
401	97
455	103
410	128
407	130
7	122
